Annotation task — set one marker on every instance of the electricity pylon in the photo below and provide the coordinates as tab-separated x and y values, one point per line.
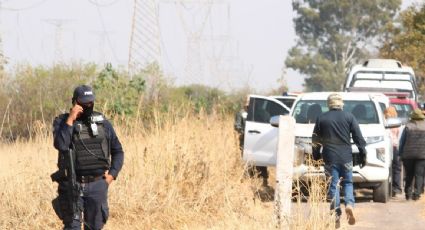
145	36
58	24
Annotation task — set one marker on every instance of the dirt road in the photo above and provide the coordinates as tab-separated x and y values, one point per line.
396	214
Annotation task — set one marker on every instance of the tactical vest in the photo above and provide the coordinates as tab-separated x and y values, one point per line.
90	144
414	147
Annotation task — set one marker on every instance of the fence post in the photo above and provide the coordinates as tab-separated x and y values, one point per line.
284	170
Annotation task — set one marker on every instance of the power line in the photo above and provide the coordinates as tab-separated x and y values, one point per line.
19	31
35	5
163	50
102	36
107	34
96	3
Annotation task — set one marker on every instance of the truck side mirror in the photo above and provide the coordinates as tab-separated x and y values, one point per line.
274	121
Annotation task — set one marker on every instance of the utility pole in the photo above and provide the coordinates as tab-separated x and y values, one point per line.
284	172
145	36
58	24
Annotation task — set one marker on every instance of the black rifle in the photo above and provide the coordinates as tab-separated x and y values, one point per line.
67	178
73	186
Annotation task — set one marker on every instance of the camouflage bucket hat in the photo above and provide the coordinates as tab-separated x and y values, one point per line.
335	101
417	114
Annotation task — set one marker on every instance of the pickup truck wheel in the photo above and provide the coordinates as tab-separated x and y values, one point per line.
381	193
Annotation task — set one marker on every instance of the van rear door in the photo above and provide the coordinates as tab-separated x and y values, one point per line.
260	143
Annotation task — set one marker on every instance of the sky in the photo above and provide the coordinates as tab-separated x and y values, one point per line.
241	43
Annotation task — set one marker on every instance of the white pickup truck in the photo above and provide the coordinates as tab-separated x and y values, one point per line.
260	142
377	172
382	75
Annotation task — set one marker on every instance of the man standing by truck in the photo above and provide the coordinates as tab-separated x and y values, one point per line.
240	119
331	135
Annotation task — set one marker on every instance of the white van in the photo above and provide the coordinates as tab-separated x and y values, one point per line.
382	75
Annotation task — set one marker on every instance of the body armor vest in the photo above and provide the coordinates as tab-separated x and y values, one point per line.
90	144
414	147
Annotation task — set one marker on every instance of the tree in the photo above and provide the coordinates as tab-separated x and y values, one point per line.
333	35
406	42
116	93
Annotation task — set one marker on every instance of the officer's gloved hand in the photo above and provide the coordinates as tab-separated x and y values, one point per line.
362	155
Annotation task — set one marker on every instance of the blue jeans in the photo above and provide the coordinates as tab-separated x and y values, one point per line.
335	172
94	199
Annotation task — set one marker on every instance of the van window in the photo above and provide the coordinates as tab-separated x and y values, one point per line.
305	111
261	110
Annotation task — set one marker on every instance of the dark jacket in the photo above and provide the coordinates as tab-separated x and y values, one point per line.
412	141
240	119
62	134
332	132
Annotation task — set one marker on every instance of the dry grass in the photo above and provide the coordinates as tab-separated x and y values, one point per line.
184	174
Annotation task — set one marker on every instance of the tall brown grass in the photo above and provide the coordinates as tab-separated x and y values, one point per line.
184	172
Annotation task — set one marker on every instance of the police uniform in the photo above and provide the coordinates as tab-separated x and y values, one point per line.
96	149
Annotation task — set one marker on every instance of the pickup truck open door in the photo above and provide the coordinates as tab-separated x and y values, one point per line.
260	143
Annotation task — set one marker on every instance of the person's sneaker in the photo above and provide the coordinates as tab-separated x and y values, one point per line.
350	215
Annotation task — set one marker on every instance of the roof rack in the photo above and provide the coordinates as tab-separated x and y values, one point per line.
382	63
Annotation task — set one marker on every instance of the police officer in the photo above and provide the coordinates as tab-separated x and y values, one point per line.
240	119
98	158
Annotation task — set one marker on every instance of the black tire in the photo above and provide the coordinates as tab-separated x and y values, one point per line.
382	193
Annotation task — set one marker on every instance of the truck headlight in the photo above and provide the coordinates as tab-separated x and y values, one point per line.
380	154
374	139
